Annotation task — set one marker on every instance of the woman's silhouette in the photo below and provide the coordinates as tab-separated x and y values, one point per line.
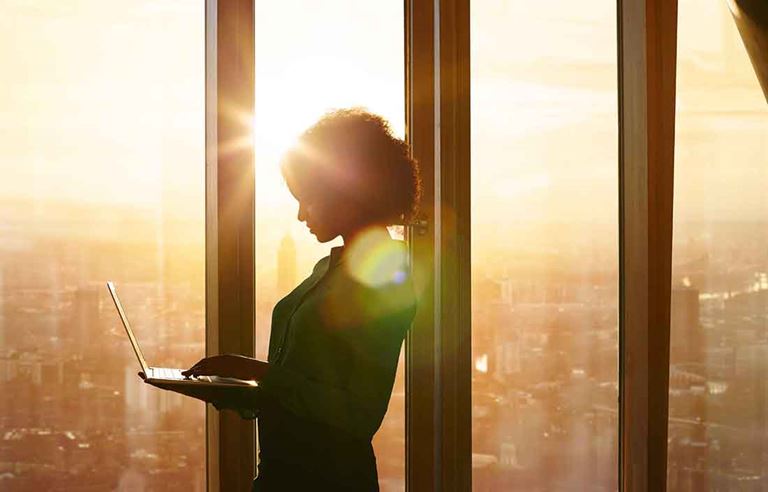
336	338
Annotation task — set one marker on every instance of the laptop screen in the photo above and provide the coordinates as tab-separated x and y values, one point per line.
127	325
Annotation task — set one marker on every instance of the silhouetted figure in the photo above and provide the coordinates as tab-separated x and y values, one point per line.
336	337
286	265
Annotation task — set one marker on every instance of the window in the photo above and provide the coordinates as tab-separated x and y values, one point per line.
718	397
102	157
327	58
544	246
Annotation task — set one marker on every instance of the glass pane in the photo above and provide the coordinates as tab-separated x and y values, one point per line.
102	164
718	391
327	58
544	246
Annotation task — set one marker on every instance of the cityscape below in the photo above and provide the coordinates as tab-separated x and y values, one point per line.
544	366
103	169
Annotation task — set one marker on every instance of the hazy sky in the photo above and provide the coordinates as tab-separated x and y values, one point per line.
102	101
97	95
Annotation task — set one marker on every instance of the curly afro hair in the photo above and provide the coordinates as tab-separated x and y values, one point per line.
352	153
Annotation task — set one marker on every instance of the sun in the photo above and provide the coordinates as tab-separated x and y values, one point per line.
275	130
288	101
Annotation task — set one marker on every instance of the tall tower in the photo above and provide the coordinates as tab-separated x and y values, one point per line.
3	295
286	265
87	319
687	339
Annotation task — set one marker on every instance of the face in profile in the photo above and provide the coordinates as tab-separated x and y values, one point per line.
327	215
348	172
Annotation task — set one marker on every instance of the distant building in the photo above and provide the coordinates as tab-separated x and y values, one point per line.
87	318
145	403
686	336
3	295
32	368
286	265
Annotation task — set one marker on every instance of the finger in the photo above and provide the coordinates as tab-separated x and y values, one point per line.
202	362
199	363
192	370
198	367
200	371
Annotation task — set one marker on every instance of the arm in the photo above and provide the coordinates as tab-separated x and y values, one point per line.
229	365
245	401
358	403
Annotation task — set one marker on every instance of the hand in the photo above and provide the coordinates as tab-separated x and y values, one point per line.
230	366
244	400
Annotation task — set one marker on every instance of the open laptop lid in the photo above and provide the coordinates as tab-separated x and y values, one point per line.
127	325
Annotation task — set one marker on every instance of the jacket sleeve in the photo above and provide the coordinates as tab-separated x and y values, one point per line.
357	405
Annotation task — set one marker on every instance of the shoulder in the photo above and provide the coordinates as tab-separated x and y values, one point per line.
321	265
353	301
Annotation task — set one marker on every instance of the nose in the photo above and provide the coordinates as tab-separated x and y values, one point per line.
302	215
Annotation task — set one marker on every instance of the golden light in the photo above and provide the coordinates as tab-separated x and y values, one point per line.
375	260
277	124
481	363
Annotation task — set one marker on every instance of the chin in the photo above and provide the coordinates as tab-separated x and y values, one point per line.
324	238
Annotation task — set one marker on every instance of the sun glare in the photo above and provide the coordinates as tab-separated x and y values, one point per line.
288	111
314	69
375	262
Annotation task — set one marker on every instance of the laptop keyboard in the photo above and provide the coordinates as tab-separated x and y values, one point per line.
165	373
175	375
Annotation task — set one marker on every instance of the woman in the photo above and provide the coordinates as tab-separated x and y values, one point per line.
336	338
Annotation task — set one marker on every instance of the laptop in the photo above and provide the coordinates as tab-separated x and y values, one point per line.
163	376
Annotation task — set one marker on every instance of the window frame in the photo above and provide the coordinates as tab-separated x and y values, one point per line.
438	348
439	132
421	411
230	233
647	61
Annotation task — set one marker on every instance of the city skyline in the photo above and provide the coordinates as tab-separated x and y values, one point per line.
104	167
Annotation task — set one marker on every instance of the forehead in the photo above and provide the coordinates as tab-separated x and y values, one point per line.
312	178
301	185
293	185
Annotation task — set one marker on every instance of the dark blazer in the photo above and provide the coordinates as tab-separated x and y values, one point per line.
333	354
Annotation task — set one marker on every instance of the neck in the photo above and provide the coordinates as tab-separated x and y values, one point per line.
378	231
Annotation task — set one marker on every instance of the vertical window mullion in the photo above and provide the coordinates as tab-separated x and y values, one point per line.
647	63
439	428
453	240
230	187
421	408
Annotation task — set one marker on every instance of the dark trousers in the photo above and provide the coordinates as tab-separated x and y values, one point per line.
288	478
299	454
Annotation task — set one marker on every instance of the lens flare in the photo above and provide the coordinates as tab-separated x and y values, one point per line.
375	260
375	286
